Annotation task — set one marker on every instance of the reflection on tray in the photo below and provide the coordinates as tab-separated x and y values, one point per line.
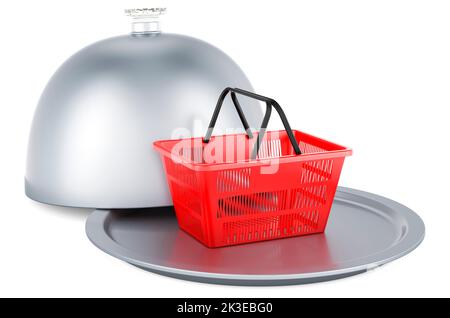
279	256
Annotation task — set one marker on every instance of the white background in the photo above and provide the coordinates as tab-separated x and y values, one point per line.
373	75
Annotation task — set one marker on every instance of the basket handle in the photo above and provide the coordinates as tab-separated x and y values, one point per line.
269	104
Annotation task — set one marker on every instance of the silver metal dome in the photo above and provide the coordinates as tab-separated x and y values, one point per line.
91	140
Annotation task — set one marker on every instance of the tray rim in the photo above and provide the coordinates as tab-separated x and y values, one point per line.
407	243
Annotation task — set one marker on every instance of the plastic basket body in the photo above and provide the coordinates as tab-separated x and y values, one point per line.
237	200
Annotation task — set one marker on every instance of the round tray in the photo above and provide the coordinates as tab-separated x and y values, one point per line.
364	231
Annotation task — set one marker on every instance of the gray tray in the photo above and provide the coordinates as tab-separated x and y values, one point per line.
364	231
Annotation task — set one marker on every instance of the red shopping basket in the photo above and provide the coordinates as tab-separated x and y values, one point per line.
235	189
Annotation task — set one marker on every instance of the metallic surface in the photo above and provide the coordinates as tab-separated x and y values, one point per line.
364	231
91	140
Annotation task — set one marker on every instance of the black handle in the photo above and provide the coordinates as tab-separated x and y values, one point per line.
269	103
